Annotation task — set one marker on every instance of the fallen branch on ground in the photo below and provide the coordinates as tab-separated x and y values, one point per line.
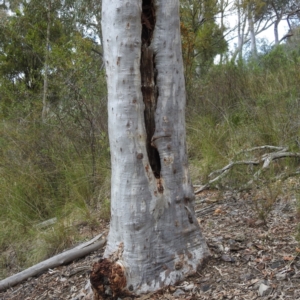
265	160
268	147
55	261
46	223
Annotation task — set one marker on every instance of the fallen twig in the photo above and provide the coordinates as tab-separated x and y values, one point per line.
230	165
218	270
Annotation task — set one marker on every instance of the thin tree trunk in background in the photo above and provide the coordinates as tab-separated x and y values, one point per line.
276	23
154	237
45	90
276	36
241	32
252	32
222	11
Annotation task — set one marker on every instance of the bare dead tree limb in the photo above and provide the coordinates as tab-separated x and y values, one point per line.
269	147
230	165
55	261
265	160
289	34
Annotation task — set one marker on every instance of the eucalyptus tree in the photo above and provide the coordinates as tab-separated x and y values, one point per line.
42	51
30	32
202	37
154	238
242	34
288	10
253	17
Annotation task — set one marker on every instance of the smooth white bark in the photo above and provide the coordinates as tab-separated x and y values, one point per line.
154	233
252	32
242	35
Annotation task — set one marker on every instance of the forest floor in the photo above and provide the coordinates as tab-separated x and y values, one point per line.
251	259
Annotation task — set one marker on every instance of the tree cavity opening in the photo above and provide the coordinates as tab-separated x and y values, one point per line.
148	78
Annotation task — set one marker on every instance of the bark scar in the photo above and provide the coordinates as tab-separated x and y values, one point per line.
189	213
108	274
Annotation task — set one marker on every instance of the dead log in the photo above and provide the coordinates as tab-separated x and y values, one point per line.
55	261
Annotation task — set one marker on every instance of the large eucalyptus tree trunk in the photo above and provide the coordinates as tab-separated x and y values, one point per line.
154	237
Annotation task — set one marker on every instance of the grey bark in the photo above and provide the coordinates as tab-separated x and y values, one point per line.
252	32
154	234
46	65
276	32
242	35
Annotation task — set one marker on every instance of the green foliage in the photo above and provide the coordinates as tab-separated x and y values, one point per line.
202	37
276	59
207	145
59	168
237	107
49	171
22	44
265	198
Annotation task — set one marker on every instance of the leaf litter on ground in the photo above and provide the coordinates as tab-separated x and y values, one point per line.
250	259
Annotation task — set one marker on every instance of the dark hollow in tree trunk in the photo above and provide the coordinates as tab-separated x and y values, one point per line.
148	77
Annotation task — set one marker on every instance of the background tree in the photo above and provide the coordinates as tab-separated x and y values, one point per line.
30	40
283	10
203	39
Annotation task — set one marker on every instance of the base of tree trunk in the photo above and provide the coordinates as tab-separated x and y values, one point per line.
108	279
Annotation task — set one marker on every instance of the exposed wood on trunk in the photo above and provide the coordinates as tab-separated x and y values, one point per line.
105	270
149	91
148	81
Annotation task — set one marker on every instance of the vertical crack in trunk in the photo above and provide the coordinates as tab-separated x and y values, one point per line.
148	77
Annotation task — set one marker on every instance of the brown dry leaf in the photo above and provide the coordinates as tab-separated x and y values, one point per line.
261	266
219	211
266	258
288	258
260	247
